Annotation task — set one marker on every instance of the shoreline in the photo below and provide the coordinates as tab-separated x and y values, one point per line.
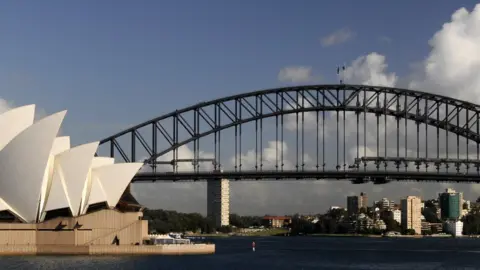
324	235
99	250
272	232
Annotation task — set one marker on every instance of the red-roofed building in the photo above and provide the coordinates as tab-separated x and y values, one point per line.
276	221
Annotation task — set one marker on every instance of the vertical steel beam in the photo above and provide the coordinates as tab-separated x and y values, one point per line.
112	149
261	133
276	133
236	134
132	154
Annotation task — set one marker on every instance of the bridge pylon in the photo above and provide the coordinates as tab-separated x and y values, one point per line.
218	201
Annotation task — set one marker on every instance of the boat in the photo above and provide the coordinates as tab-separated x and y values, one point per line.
165	239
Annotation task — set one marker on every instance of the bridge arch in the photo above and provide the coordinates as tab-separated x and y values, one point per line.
426	108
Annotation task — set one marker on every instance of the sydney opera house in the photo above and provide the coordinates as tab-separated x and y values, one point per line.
55	194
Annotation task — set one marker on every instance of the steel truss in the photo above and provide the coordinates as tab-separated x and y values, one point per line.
186	126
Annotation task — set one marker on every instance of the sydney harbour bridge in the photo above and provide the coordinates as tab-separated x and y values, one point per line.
330	132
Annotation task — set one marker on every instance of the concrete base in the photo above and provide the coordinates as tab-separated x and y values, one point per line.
195	249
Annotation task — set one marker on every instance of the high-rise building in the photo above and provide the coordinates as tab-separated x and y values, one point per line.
412	213
385	204
460	203
218	202
454	227
355	203
352	206
451	204
363	200
397	216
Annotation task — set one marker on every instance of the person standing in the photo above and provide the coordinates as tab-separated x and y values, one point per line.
253	246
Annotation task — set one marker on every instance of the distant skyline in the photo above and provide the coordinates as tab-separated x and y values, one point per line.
114	64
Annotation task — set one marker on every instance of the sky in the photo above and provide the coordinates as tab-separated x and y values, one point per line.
114	64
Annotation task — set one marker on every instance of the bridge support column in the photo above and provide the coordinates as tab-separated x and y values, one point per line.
218	202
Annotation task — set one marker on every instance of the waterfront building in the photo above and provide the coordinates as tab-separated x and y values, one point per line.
451	204
397	215
218	202
352	206
355	203
426	227
436	227
276	221
363	200
66	195
455	228
364	222
412	214
380	225
384	204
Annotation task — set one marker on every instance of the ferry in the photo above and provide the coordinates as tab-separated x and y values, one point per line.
171	238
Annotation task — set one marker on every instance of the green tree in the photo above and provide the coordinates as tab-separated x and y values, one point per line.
410	232
225	229
392	225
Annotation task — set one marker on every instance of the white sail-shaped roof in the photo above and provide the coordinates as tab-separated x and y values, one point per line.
40	173
93	190
73	167
22	165
57	198
14	121
97	194
6	207
60	144
102	161
56	194
115	178
3	205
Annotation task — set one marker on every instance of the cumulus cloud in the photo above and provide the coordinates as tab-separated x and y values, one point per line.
453	65
447	70
295	74
337	37
451	68
370	69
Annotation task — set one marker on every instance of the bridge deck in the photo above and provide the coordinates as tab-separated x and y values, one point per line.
359	176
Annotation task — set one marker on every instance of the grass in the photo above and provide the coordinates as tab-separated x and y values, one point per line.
268	232
344	235
271	232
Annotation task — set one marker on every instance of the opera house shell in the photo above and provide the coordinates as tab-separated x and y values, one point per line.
45	182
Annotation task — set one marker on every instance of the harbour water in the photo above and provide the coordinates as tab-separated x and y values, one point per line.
287	253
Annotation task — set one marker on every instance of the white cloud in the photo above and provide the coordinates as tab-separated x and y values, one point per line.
370	69
337	37
451	68
295	74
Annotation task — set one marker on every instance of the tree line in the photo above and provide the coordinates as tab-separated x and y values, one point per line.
332	222
164	221
471	221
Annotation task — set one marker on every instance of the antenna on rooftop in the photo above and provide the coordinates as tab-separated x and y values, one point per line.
340	72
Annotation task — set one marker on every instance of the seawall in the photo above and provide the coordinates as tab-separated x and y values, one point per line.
195	249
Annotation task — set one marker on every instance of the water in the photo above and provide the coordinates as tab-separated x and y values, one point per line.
287	253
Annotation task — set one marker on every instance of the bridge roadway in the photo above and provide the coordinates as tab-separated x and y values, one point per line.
356	176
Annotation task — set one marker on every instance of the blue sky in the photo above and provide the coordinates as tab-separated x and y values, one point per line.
113	64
